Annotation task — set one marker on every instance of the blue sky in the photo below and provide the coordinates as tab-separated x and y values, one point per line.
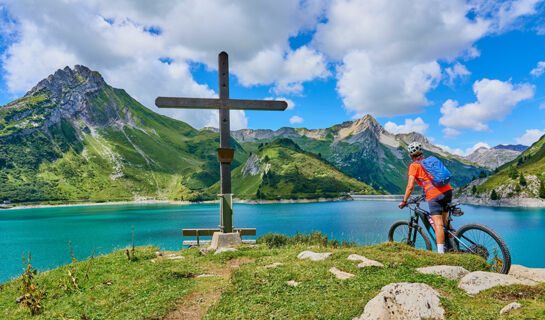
465	72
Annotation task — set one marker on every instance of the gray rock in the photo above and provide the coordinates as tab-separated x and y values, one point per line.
510	307
449	272
221	250
293	283
341	275
314	256
207	275
522	272
478	281
364	261
404	301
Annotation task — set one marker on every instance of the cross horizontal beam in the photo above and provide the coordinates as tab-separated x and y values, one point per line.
205	103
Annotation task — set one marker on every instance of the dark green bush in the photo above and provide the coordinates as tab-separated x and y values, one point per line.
275	240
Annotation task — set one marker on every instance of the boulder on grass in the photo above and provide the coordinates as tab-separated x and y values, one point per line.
449	272
478	281
536	274
404	301
314	256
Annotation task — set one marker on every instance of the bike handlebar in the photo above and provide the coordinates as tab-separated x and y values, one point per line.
416	200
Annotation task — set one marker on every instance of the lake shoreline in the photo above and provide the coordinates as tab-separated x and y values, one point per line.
137	202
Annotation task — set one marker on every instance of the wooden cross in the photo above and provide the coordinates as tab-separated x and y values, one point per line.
225	153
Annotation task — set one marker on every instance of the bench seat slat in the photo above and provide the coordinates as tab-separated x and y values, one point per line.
210	232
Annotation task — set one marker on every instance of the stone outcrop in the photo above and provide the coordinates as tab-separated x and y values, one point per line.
404	301
478	281
522	272
449	272
341	275
314	256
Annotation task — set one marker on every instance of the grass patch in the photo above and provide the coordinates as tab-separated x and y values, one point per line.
242	288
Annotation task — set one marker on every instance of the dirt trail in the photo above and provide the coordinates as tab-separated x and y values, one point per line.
195	305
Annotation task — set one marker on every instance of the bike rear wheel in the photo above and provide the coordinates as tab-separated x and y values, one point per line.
481	240
399	232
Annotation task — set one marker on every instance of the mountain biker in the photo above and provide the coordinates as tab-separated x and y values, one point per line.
438	197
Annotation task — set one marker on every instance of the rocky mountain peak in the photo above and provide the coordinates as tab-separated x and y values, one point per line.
66	79
365	124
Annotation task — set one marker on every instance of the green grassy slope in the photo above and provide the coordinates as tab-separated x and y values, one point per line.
285	171
242	288
373	163
115	149
506	181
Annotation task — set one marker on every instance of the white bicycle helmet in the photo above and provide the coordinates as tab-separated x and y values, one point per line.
414	148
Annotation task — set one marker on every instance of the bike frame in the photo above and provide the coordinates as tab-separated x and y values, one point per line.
421	214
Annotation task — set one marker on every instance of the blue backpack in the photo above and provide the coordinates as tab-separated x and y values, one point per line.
436	171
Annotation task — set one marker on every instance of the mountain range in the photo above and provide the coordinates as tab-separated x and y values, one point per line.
492	158
520	182
74	137
363	149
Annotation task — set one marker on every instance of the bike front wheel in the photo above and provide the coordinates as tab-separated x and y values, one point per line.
399	232
480	240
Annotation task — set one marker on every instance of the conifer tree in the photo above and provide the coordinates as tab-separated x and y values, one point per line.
494	195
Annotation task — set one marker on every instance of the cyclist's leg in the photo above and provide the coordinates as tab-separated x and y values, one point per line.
436	206
446	202
438	227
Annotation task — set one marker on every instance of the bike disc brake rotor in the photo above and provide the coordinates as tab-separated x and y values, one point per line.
480	250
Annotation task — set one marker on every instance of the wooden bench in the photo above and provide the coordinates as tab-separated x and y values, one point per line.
210	232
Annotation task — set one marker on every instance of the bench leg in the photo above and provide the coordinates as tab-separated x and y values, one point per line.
198	243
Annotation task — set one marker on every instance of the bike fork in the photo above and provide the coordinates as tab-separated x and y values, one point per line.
413	225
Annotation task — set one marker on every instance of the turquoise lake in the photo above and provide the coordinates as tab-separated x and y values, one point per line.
47	231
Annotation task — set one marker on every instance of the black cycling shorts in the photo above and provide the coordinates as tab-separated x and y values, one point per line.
439	204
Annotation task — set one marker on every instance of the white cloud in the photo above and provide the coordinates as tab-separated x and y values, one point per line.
416	125
530	136
539	69
451	133
286	73
466	152
112	38
457	151
390	49
296	119
387	51
290	102
366	87
495	100
542	106
456	71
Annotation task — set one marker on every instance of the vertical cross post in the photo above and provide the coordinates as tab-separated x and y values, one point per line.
226	208
225	153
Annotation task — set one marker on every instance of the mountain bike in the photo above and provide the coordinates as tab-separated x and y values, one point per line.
471	238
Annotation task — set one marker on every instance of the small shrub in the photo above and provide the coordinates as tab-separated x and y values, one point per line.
522	180
32	295
513	173
273	240
474	189
482	174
